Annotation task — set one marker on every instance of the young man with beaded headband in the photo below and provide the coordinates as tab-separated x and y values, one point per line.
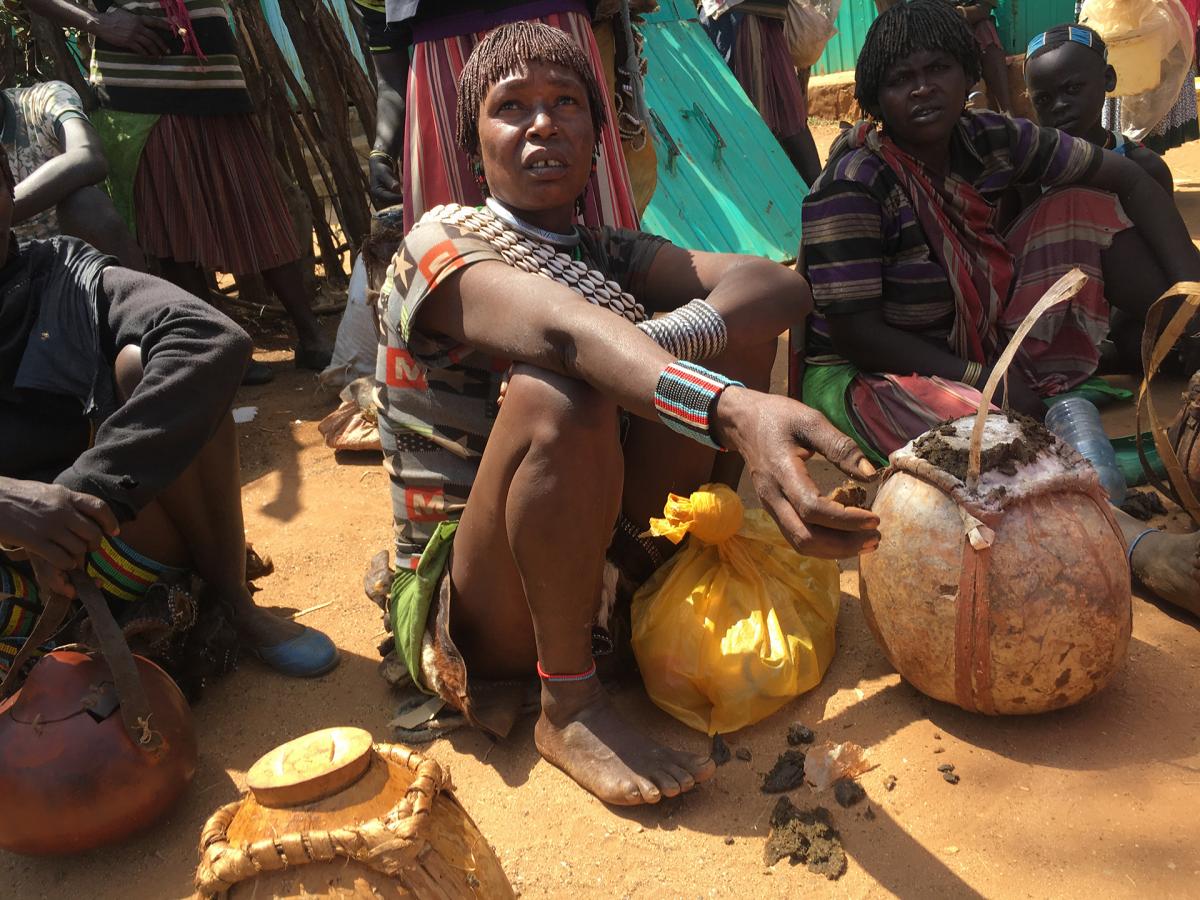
528	494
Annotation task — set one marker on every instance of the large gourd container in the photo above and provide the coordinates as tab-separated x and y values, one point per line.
1009	597
332	815
1001	582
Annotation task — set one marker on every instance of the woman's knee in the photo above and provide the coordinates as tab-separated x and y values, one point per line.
128	370
561	410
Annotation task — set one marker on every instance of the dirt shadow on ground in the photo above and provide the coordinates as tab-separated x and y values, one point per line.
1108	731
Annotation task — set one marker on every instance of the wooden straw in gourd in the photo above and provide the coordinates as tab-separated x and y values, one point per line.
1062	290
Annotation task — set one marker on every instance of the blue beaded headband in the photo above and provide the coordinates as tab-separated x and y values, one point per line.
1074	34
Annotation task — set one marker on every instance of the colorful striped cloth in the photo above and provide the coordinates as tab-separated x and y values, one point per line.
205	192
122	574
436	170
763	66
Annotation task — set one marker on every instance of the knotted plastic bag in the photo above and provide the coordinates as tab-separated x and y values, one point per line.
737	623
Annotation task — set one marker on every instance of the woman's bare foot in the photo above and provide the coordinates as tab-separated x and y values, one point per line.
1169	565
581	733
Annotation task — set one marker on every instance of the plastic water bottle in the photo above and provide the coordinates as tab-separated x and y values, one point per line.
1077	421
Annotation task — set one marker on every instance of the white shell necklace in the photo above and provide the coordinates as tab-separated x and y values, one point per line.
509	218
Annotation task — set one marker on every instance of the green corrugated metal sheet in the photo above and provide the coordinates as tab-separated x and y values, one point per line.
1020	20
724	183
841	53
1017	21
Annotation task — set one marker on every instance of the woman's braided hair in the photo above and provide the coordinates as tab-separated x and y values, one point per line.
907	28
507	50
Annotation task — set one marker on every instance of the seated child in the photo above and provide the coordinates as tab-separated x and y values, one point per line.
1067	72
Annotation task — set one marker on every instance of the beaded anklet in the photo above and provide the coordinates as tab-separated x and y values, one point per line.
685	396
556	679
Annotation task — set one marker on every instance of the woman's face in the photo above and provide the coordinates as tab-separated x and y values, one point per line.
1067	87
922	98
536	138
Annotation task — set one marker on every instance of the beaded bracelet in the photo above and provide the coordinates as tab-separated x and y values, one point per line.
685	397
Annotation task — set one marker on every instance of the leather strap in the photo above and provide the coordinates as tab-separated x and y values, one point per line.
972	633
1154	351
54	611
135	706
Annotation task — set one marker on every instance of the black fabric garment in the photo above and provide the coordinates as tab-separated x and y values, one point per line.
65	312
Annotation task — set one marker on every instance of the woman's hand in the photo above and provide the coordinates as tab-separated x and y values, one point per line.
54	525
776	436
1015	393
385	189
141	34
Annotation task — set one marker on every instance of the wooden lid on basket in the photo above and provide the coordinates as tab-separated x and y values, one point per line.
311	767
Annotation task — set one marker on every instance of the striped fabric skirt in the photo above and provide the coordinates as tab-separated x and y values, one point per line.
1065	229
437	171
205	193
763	67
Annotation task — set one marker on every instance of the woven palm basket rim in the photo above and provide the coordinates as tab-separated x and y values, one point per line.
388	844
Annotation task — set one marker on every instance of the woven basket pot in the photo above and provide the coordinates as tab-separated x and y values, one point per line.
1012	597
332	815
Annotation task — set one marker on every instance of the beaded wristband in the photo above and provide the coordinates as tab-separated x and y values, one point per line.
685	396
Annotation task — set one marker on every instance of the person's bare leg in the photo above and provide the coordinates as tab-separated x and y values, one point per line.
661	461
287	283
526	573
89	215
801	149
204	505
1167	564
995	76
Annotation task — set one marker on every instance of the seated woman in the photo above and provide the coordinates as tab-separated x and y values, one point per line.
918	281
119	456
530	490
1067	73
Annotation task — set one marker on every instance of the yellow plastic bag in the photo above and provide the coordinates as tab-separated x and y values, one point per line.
737	623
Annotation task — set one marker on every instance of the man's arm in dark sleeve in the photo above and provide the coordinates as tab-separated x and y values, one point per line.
193	358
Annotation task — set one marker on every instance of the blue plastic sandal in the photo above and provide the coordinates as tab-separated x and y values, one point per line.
307	655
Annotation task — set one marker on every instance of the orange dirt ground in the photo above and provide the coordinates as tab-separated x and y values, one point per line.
1096	801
